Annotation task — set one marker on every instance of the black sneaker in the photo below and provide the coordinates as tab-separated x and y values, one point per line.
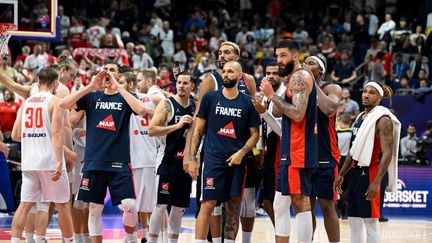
143	240
382	219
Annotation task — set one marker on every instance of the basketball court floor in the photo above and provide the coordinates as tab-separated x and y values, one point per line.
396	230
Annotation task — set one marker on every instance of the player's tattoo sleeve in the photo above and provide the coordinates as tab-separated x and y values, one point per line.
168	106
232	218
299	89
196	137
385	126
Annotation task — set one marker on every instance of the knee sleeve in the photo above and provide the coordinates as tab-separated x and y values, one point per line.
43	206
282	214
372	230
217	211
175	218
130	214
95	219
304	226
247	209
356	229
156	218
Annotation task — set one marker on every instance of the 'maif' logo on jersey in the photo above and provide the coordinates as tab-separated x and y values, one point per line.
107	123
228	130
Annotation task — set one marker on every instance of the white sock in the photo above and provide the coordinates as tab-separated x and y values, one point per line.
196	241
372	230
145	232
356	229
68	240
165	236
217	240
246	236
29	237
335	242
304	226
40	238
86	238
151	239
172	240
131	237
229	241
17	240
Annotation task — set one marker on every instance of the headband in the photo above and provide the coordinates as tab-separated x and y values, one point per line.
319	61
376	86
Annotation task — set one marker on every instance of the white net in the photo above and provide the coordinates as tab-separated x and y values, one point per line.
4	37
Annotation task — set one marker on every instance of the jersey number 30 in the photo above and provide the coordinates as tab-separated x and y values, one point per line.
33	117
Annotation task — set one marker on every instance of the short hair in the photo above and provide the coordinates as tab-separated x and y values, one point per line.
233	45
113	63
47	76
412	125
292	45
185	73
125	69
130	78
272	64
345	118
149	73
65	62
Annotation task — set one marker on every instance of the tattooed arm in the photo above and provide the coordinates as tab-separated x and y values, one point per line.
199	129
329	102
300	86
162	113
385	131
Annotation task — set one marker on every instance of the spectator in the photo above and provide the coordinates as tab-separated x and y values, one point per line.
77	84
180	56
400	68
195	20
373	21
241	35
384	31
198	43
423	87
8	113
130	50
427	135
35	62
25	51
64	22
76	31
361	37
6	69
300	34
108	41
348	105
216	40
408	144
141	60
420	46
95	32
346	44
344	71
418	32
192	68
419	69
401	29
378	71
371	52
166	38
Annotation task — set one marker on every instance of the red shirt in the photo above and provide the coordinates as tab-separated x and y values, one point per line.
8	115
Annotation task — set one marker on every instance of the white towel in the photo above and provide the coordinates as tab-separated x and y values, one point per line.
362	147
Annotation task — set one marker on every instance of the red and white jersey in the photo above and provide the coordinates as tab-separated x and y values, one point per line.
79	139
143	148
36	145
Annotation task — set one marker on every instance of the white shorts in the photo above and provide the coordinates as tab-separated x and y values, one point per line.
145	188
37	186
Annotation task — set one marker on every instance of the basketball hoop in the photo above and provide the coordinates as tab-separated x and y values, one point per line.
4	37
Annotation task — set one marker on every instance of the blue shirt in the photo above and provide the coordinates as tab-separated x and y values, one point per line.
228	124
107	137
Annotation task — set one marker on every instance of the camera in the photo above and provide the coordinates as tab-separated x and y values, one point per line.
422	146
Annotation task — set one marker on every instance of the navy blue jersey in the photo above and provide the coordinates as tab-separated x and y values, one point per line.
228	123
174	142
107	137
242	84
299	139
328	150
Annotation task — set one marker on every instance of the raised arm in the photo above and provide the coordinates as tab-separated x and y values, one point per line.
21	90
162	112
385	132
329	103
300	86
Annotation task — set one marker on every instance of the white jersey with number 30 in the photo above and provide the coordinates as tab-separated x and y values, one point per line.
143	148
37	149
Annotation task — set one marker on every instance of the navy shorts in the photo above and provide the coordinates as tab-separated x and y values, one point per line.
294	180
174	190
322	180
358	206
252	171
220	182
94	186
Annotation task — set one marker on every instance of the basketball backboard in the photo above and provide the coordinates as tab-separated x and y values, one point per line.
35	19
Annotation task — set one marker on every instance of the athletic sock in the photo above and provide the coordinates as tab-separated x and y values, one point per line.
217	240
145	233
86	238
152	239
200	241
29	237
229	241
40	238
131	237
17	240
68	239
172	240
165	236
246	236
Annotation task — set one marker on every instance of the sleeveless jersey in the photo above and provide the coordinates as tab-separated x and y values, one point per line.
376	152
328	150
173	144
299	139
107	137
36	143
227	124
143	148
242	84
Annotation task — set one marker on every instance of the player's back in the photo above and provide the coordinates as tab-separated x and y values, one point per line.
37	150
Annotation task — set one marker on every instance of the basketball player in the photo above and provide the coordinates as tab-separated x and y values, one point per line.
170	122
43	165
374	151
228	51
107	153
299	150
329	96
270	138
230	124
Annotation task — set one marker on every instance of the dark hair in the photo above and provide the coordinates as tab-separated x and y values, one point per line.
47	76
292	45
388	92
380	55
272	64
65	62
114	63
130	78
125	69
345	118
412	125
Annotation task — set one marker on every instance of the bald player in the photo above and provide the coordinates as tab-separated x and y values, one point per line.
230	124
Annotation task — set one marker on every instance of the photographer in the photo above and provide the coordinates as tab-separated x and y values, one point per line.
408	144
